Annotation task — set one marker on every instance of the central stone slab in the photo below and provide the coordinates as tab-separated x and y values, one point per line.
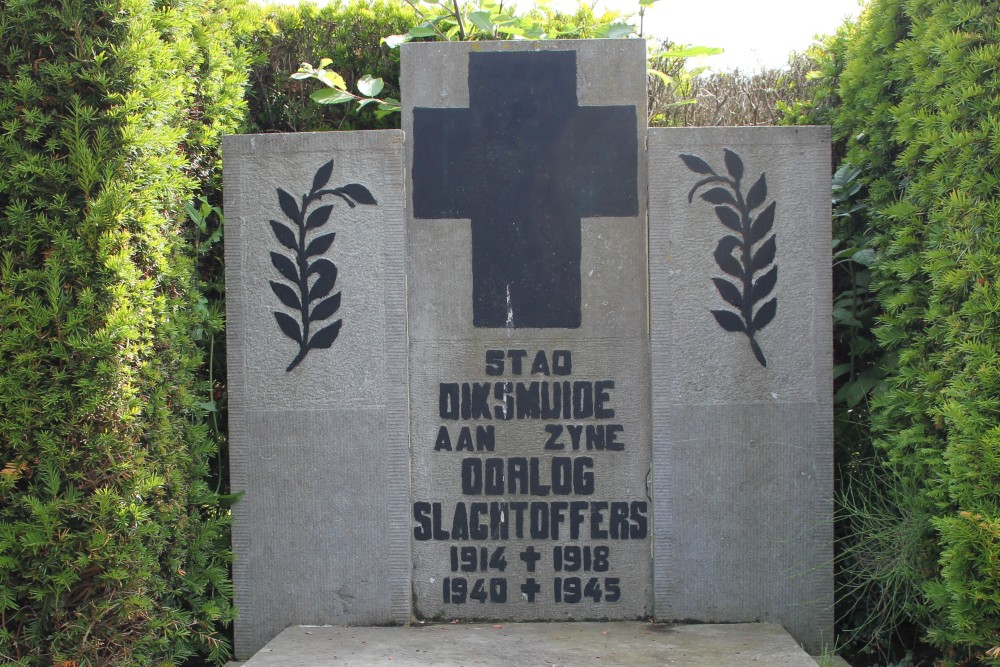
527	307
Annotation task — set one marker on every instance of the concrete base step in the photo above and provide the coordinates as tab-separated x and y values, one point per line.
621	644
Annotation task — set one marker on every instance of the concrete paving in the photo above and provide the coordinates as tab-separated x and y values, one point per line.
619	644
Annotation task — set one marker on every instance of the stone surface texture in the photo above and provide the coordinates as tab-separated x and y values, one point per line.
319	452
610	344
742	453
622	644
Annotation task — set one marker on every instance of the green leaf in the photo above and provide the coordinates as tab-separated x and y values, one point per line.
228	500
301	75
854	392
647	3
370	86
421	31
845	317
324	62
333	80
510	30
331	96
665	78
393	41
865	256
691	52
613	31
386	107
841	369
481	20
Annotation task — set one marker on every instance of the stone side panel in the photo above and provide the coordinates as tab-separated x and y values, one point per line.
742	451
320	452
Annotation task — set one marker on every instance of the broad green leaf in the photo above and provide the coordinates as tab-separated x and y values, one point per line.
665	78
301	75
421	31
613	31
387	106
324	62
333	80
510	30
691	52
841	369
845	317
647	3
854	392
393	41
370	86
331	96
865	256
482	21
363	103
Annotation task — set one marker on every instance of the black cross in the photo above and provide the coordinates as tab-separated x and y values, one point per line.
530	557
525	163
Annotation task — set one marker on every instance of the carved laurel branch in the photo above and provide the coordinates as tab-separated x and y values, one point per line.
735	211
307	282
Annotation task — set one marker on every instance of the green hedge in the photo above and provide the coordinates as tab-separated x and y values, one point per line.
113	548
349	34
919	110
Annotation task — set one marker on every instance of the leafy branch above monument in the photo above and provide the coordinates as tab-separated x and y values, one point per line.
735	210
451	20
298	270
488	20
336	91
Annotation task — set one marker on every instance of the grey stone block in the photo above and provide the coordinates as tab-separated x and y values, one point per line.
623	644
319	451
742	452
607	344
